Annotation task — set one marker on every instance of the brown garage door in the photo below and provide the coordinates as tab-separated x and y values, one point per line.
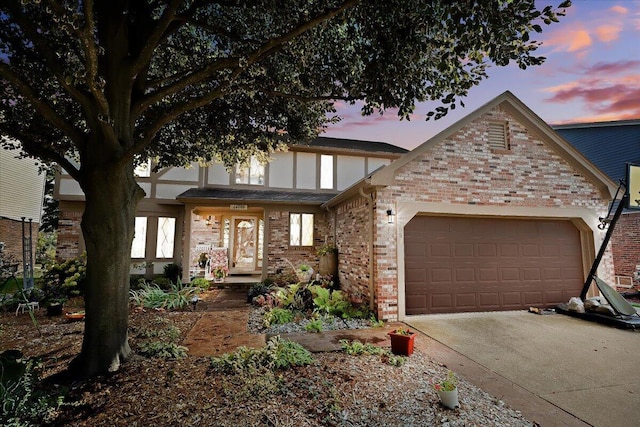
484	264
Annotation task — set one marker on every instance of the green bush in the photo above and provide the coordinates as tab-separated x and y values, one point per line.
23	403
329	302
163	282
173	272
65	280
314	326
152	296
201	282
259	289
277	316
356	348
163	350
277	354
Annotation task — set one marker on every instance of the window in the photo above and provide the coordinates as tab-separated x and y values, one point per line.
300	229
166	237
498	136
326	171
139	238
252	174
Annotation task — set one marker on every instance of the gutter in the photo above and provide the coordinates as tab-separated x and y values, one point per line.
369	198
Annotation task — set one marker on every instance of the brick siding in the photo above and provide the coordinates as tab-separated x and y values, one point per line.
279	251
464	170
352	228
626	246
69	232
11	235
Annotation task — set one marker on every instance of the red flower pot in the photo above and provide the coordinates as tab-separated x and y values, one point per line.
402	344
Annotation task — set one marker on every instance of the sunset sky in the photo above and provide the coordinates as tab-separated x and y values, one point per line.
592	73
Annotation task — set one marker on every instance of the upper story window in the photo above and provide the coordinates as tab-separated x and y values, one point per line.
326	171
300	229
143	170
252	174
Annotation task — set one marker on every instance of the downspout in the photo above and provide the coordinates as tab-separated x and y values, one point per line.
369	199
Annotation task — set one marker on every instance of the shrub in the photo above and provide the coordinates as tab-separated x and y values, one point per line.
173	272
356	348
161	340
163	350
259	289
277	316
65	280
314	326
151	296
329	302
201	282
277	354
23	404
163	282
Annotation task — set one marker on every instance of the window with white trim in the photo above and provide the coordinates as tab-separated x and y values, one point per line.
326	171
166	237
252	174
300	229
138	246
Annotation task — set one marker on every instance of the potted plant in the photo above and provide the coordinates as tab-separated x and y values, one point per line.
328	254
219	273
54	306
304	273
402	341
447	390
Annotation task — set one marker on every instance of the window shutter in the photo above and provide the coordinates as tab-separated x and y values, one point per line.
498	136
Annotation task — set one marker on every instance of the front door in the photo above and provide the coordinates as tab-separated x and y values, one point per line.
244	244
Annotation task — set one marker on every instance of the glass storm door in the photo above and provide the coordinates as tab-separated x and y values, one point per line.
244	244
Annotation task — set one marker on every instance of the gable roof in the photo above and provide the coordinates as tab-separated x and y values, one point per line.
608	145
530	120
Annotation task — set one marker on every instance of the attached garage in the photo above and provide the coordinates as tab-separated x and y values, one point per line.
464	264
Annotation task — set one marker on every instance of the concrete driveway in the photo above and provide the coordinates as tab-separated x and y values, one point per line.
589	370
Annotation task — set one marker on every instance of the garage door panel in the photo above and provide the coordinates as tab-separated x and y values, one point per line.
465	275
489	299
480	264
510	273
440	275
462	250
512	299
439	249
466	300
439	301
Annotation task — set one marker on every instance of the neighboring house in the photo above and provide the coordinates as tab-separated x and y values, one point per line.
21	195
610	146
497	212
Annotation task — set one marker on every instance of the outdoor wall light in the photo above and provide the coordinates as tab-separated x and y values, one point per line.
208	221
390	216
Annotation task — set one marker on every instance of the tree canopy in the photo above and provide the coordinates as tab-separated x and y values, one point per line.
96	86
189	79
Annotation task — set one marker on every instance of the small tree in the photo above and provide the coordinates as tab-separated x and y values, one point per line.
97	85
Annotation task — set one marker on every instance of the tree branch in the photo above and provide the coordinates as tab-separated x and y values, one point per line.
40	106
266	50
41	150
91	57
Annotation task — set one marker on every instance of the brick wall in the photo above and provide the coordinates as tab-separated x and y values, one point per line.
69	231
464	170
626	245
279	251
203	234
11	235
352	231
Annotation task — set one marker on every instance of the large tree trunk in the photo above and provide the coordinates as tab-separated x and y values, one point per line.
108	224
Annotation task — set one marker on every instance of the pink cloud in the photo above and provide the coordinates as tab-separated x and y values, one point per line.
579	41
608	33
620	9
607	68
568	39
